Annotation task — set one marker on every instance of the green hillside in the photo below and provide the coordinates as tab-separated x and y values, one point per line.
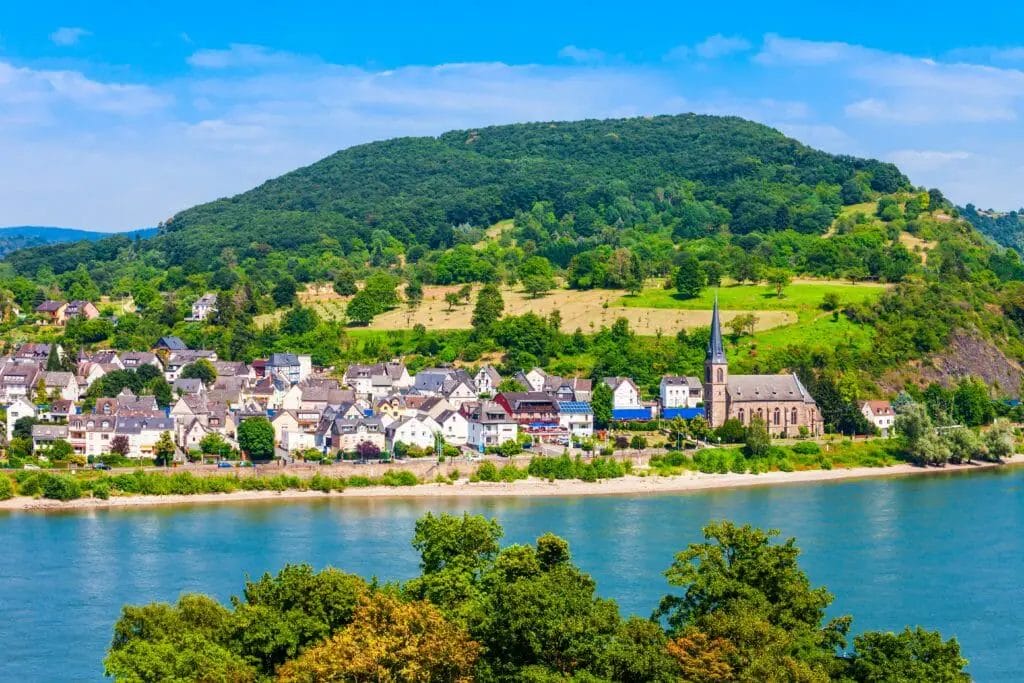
382	250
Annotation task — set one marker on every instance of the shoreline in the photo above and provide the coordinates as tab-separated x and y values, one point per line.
628	485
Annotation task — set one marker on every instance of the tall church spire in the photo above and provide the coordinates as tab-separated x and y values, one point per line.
716	348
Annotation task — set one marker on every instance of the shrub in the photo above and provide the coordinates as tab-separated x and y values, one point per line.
399	478
101	489
806	448
59	487
359	482
6	487
487	472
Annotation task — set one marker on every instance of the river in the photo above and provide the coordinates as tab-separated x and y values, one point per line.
944	551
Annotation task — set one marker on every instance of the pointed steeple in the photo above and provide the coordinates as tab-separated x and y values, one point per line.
716	348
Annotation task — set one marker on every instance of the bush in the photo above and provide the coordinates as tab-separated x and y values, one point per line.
6	487
60	487
399	478
101	489
732	431
359	482
806	448
486	472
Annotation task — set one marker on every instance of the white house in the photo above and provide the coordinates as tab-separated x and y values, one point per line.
418	430
576	417
487	380
625	394
680	392
454	427
490	425
880	414
142	434
21	407
204	306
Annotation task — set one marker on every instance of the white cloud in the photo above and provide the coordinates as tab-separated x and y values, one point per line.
916	160
241	56
719	45
582	55
779	51
45	91
68	35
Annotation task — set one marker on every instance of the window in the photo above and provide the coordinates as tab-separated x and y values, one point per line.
778	417
720	374
741	415
760	413
792	416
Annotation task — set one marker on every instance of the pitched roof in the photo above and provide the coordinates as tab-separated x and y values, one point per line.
767	388
171	343
880	407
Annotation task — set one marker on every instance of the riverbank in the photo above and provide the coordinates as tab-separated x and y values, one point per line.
628	485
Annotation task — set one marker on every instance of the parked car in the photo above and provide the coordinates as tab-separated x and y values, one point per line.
30	467
101	466
225	463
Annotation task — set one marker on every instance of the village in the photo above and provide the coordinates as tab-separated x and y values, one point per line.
364	410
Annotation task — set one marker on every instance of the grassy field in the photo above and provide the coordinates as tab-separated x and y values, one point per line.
800	294
588	310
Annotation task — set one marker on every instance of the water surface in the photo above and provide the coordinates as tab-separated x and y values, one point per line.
945	551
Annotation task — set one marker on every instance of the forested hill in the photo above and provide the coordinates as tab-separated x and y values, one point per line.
22	236
699	172
1006	229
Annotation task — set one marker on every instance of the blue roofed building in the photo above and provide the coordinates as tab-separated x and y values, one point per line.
576	417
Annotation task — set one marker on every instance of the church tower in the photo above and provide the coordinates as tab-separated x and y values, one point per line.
716	374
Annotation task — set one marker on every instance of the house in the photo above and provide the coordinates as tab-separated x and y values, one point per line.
92	433
377	380
36	352
203	307
677	393
490	425
52	312
626	403
19	408
487	380
142	433
61	385
177	360
43	435
18	380
453	384
133	360
529	407
81	309
880	414
233	368
418	430
292	421
170	344
454	427
342	435
188	385
576	417
291	367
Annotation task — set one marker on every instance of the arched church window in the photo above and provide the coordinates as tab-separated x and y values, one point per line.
792	417
720	375
778	417
741	416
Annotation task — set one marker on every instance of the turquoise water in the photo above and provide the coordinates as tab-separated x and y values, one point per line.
945	551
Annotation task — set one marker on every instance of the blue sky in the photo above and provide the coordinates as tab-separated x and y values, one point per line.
114	116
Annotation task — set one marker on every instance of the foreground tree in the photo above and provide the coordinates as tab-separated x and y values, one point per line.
164	450
912	655
389	640
488	309
202	370
256	438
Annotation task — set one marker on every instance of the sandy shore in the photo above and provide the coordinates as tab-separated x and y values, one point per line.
629	485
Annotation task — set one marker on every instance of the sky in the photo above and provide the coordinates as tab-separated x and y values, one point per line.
114	116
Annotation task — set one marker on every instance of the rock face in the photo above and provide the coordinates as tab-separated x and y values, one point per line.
967	356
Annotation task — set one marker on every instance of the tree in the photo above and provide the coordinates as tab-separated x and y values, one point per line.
510	384
713	273
732	431
60	450
345	282
742	588
256	438
779	278
161	391
689	278
465	292
999	440
53	360
213	443
452	299
414	293
299	320
200	369
741	324
23	427
911	655
538	285
536	275
488	309
367	450
389	640
758	440
601	404
163	450
120	445
971	403
362	308
284	291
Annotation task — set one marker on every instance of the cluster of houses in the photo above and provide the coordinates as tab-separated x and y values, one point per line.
60	312
381	405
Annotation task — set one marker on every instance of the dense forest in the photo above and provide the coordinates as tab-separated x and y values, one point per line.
739	608
1006	229
677	203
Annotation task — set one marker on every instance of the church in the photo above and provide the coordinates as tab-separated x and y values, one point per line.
781	401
